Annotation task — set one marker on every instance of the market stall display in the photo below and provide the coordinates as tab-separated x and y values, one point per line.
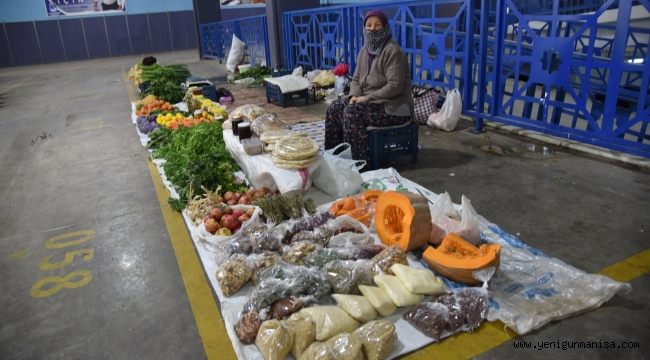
277	262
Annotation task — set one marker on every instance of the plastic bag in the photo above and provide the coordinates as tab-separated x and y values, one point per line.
469	229
378	299
247	327
233	274
266	292
445	219
430	318
249	111
345	276
297	71
268	122
340	347
345	223
262	261
356	306
396	290
216	239
418	281
338	175
368	251
294	280
236	54
311	75
320	257
339	84
282	308
350	239
470	303
295	148
303	331
447	118
377	338
260	241
324	78
273	340
330	320
382	262
298	251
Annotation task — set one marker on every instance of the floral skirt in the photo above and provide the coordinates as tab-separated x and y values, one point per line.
348	122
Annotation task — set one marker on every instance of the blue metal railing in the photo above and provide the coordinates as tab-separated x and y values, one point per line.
216	38
569	75
552	68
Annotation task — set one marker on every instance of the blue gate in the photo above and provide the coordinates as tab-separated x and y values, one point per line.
216	38
575	76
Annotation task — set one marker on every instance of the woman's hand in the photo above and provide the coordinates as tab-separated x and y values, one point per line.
358	99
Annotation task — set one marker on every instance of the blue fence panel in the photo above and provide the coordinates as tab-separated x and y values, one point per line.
216	38
434	36
573	76
320	38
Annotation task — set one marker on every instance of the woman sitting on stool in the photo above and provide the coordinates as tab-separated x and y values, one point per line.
380	90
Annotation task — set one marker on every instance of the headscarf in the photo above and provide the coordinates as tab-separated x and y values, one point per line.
375	39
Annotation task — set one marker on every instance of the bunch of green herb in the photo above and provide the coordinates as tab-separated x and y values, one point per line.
196	159
164	82
256	72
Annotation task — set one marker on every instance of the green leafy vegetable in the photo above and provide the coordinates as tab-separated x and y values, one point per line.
196	159
164	82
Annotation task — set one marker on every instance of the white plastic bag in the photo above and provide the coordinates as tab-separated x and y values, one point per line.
338	175
468	229
447	118
297	71
339	84
446	220
236	54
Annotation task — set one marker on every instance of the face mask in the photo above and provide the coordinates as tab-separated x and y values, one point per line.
375	39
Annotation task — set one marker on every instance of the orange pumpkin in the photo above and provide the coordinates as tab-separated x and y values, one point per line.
457	259
403	219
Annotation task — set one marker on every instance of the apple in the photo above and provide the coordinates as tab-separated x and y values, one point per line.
232	223
211	225
250	211
216	213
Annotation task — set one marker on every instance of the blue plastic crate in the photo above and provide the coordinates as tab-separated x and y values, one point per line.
210	92
391	142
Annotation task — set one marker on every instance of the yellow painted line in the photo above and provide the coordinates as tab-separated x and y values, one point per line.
630	268
92	124
129	89
209	322
492	334
19	255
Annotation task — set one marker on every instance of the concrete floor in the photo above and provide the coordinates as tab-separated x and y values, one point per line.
71	161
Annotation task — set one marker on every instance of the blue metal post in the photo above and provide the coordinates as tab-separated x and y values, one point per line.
615	73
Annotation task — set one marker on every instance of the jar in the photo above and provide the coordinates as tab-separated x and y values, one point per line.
244	130
235	123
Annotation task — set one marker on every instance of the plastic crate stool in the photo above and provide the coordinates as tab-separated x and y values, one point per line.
390	142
